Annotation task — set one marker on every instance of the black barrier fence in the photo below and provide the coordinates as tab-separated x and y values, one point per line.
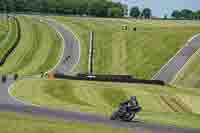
3	59
109	78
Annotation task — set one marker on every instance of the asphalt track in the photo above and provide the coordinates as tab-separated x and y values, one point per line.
10	104
169	70
71	51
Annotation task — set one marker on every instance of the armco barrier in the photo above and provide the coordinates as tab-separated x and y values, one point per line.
3	59
109	78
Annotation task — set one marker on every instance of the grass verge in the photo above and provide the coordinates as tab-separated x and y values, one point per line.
3	28
11	38
103	98
140	53
38	50
21	123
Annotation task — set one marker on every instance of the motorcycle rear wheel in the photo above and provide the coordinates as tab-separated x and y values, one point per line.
129	118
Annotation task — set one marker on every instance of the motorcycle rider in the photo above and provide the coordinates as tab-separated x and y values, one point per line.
132	102
127	110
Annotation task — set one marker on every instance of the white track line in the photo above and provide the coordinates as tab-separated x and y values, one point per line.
188	42
76	38
63	48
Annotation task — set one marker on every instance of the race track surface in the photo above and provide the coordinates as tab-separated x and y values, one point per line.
9	103
169	70
5	98
71	51
141	127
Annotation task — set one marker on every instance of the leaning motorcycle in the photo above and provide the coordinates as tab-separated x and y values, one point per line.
125	113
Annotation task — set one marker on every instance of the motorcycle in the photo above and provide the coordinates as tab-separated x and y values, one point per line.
126	112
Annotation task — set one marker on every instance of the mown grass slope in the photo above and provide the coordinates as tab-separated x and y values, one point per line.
21	123
39	49
140	53
3	23
11	37
103	98
3	33
3	28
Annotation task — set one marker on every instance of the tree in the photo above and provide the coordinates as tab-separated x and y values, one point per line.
115	12
100	8
176	14
122	8
186	13
18	5
165	17
97	8
125	10
195	15
146	13
135	12
3	5
198	14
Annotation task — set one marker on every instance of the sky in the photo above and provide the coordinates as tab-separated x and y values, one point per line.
162	7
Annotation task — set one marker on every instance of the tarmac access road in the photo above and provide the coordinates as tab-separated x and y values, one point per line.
174	65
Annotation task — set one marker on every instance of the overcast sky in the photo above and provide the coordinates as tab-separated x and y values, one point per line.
161	7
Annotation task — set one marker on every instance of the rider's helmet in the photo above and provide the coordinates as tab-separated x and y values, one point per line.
133	98
133	101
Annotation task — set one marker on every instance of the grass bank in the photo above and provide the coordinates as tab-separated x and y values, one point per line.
140	53
21	123
103	98
11	37
3	23
38	50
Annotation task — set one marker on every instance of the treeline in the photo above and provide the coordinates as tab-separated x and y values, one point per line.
101	8
186	14
137	13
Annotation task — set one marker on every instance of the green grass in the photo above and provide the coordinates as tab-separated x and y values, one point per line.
3	31
94	97
21	123
2	35
38	51
140	53
3	28
103	98
190	96
184	120
3	23
11	37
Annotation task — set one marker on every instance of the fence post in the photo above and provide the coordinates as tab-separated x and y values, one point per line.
91	54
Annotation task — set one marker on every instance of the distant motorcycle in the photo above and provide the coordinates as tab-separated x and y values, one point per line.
127	110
